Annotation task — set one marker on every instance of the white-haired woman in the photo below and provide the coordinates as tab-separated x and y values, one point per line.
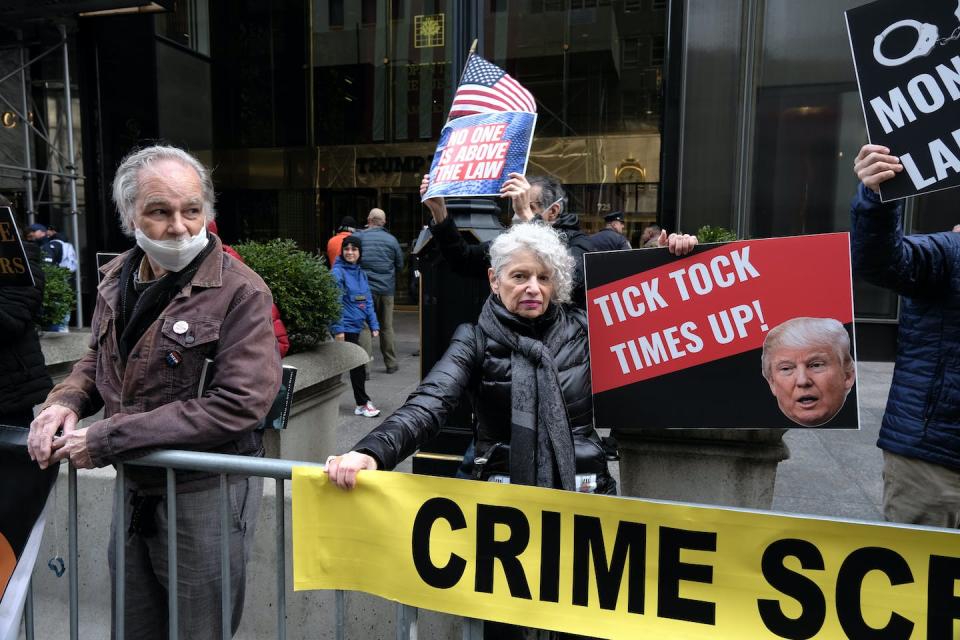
527	368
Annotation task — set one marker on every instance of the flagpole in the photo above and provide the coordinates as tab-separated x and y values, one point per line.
470	54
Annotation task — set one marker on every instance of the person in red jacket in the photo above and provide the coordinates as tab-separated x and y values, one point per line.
279	329
347	226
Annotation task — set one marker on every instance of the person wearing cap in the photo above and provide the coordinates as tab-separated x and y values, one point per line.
347	226
58	252
358	310
611	237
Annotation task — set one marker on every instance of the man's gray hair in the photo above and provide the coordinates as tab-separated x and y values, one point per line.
551	191
377	217
126	183
541	240
803	333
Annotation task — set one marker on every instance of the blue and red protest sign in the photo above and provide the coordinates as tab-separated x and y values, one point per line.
477	153
487	136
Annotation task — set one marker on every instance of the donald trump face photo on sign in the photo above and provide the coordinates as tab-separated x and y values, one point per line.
807	363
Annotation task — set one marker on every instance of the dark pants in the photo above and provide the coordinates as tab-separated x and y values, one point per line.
198	561
358	375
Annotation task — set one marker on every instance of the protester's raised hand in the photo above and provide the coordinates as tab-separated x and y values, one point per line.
343	469
679	244
875	165
44	427
436	206
517	189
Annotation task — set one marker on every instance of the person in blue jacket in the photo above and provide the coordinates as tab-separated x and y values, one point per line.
357	302
920	432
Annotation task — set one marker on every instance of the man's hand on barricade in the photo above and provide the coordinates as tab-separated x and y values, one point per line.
874	165
343	469
517	189
679	244
44	427
72	446
436	206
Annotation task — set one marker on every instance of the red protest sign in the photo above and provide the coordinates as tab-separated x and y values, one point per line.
659	324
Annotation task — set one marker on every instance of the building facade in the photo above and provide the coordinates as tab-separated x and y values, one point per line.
741	114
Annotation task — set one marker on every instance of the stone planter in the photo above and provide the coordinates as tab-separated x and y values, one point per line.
728	467
311	434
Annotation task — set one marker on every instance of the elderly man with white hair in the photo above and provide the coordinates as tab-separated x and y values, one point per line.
163	309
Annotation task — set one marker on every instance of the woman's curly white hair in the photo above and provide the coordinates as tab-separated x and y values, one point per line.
545	244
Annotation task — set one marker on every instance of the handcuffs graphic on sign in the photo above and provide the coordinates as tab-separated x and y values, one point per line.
927	37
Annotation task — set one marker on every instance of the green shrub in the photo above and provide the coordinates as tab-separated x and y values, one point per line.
302	287
706	233
58	296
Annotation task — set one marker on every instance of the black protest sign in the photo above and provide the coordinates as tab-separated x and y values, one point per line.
14	268
907	58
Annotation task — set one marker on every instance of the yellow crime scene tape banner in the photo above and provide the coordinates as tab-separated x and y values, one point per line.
621	567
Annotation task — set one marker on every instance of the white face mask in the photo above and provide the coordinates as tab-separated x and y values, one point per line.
172	255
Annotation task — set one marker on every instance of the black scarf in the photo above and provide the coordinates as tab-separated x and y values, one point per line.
139	309
541	445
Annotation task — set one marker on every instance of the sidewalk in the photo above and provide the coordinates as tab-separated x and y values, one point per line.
829	473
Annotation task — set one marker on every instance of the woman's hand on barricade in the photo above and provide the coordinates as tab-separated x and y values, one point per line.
679	244
343	469
436	206
43	429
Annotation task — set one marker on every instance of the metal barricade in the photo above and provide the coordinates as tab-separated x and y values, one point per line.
223	465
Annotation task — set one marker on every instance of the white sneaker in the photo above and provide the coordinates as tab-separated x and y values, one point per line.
367	410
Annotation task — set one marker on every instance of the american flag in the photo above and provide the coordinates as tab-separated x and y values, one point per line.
486	88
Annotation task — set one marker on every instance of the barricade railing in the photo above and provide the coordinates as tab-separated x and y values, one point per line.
224	466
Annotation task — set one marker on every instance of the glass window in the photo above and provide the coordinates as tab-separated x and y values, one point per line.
657	47
187	25
368	11
631	52
335	13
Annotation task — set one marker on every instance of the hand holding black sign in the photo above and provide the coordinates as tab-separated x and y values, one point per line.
907	58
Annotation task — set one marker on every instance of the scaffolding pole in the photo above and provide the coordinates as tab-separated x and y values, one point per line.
27	156
30	173
72	168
